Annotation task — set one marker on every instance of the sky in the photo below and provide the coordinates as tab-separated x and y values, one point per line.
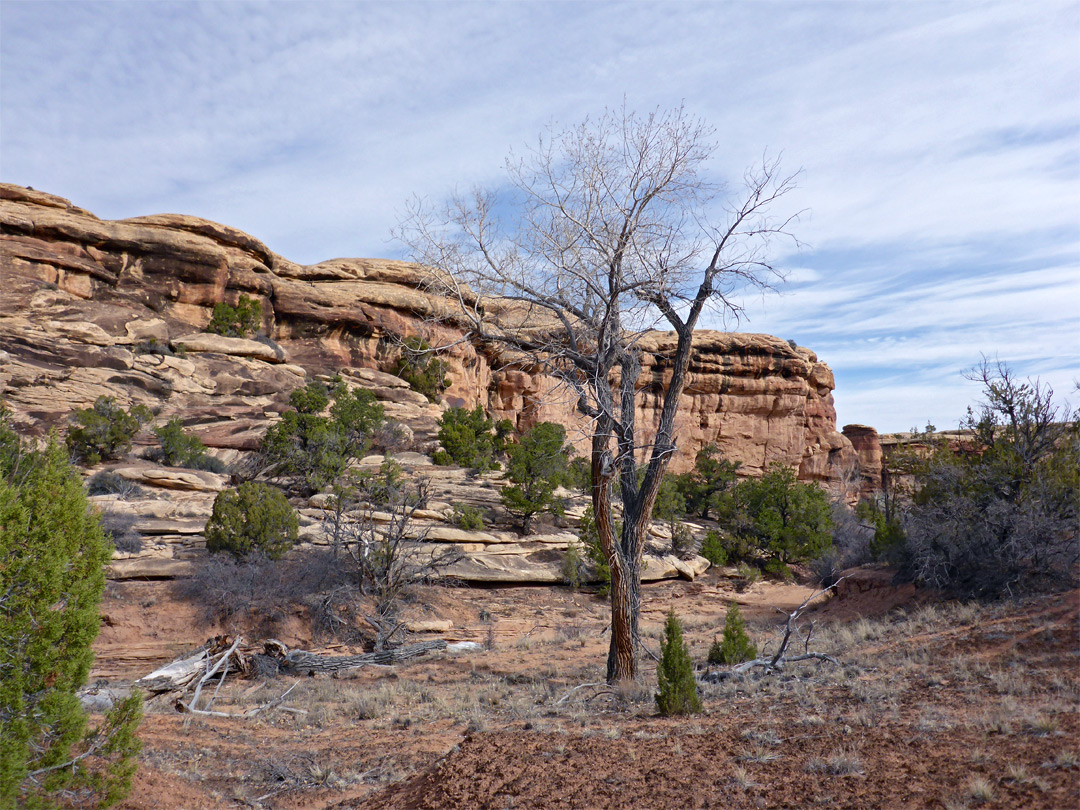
938	143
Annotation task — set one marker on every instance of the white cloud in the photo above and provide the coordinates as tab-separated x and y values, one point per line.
939	141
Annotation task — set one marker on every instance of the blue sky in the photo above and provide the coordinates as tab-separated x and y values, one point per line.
939	143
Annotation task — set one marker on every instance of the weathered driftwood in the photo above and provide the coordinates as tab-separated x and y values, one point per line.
222	655
778	660
181	673
306	663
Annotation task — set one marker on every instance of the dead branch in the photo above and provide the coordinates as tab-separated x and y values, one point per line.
384	636
223	660
307	663
779	665
215	660
645	648
791	627
566	697
180	706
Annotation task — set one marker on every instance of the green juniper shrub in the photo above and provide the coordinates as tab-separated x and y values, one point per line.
579	475
736	646
887	544
309	449
723	548
713	548
677	693
703	487
504	434
468	439
683	542
15	461
252	517
786	520
243	320
380	487
749	574
590	538
425	373
573	566
54	553
669	507
180	449
536	465
355	413
775	569
467	517
105	430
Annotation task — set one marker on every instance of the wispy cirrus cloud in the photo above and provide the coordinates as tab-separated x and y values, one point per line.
939	142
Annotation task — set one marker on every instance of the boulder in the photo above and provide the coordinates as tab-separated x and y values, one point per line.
237	347
197	480
149	568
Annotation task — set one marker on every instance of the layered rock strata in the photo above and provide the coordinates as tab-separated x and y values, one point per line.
84	295
91	307
867	445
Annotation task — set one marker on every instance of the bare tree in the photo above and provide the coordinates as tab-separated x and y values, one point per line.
998	514
610	236
388	549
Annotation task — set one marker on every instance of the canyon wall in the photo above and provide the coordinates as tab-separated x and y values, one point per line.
84	302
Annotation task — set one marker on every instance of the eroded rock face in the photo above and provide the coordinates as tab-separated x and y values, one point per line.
94	307
867	444
91	308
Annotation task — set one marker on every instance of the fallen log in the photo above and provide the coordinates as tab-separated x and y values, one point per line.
224	655
305	663
181	673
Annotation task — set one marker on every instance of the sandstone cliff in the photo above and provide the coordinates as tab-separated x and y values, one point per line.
84	298
91	308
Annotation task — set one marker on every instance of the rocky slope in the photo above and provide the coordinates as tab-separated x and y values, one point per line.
88	307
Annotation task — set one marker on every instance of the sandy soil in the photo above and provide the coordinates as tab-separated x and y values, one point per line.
934	705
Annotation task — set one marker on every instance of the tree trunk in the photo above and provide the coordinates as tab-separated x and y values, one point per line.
625	588
625	607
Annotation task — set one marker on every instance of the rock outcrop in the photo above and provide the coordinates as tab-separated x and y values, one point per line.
87	300
867	445
91	307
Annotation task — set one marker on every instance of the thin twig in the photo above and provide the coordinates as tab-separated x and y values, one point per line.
648	651
251	712
565	697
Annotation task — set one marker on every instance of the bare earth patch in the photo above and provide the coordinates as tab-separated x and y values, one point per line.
938	705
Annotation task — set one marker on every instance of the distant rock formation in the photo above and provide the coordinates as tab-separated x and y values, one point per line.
867	444
85	302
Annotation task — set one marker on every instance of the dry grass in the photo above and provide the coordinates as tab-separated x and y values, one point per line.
980	790
842	762
942	679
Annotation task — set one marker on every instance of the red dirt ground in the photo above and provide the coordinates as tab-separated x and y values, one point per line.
939	706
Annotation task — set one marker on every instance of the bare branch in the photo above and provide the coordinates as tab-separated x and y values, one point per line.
611	234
